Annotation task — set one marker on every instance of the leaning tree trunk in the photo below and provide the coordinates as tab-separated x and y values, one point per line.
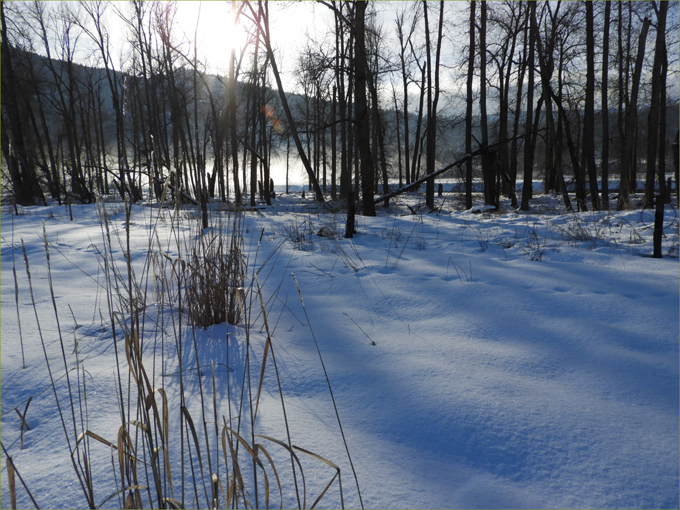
266	36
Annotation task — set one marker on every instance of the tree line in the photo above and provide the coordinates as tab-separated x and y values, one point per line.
574	94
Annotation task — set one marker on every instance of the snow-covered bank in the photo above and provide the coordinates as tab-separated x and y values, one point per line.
477	360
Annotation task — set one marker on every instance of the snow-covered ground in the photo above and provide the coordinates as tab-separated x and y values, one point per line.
476	360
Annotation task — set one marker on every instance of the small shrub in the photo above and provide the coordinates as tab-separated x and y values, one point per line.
533	246
326	231
483	240
505	243
212	275
576	229
635	238
300	234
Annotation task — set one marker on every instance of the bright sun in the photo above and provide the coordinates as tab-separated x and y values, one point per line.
216	32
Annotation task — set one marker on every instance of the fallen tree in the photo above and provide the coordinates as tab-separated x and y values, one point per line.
419	182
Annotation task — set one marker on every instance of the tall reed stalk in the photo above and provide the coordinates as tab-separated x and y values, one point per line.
179	442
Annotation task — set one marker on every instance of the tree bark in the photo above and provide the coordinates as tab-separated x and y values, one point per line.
514	151
488	166
415	170
432	103
605	107
334	144
468	111
589	113
623	201
404	42
231	110
528	146
654	141
361	112
24	183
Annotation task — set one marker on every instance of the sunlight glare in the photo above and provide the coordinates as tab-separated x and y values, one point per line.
216	32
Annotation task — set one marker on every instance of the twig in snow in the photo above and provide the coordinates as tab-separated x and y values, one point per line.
355	322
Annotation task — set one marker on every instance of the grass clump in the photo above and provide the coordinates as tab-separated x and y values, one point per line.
183	436
213	273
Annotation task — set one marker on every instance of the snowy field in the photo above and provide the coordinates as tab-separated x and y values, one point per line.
477	360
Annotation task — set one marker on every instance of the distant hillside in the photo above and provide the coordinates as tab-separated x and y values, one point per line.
36	71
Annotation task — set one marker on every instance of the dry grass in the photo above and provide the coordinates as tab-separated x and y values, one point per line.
153	466
213	273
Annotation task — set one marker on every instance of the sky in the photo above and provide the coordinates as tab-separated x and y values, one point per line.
292	25
290	22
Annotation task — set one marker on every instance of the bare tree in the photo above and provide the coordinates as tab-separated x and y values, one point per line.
624	194
469	103
508	20
655	131
551	51
589	113
605	106
432	102
21	170
528	145
361	113
405	35
266	37
99	35
488	164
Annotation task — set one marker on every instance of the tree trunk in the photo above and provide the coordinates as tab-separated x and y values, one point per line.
361	113
630	121
231	110
432	102
379	137
334	144
605	107
399	146
429	184
255	115
416	146
24	182
403	44
503	134
528	145
488	166
654	141
345	175
666	193
468	111
517	114
589	113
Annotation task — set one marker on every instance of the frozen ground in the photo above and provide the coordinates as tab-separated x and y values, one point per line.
524	360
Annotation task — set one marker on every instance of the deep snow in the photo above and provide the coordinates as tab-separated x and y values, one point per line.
477	360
